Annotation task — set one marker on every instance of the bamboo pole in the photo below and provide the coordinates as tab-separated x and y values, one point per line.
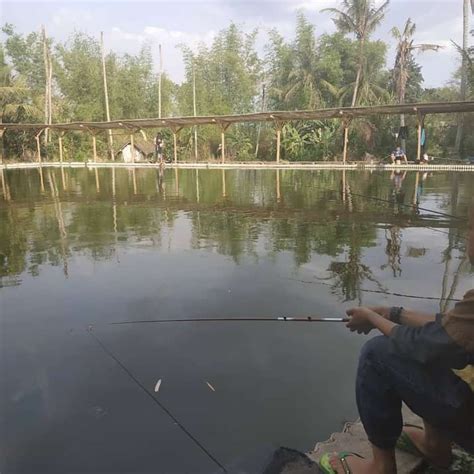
160	80
46	86
176	181
175	146
195	114
60	142
94	147
224	190
278	146
420	127
132	147
259	131
2	131
346	143
223	145
106	97
464	73
38	146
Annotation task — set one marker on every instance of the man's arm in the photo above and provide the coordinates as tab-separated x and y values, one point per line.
408	317
424	343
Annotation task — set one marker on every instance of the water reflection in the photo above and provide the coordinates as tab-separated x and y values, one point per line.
88	247
239	213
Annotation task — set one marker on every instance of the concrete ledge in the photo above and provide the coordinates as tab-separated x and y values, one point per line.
246	165
353	439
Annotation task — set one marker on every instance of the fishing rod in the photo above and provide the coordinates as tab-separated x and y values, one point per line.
308	319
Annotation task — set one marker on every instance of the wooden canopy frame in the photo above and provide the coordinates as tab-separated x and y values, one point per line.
345	114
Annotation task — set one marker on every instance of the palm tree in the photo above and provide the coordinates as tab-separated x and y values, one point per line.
405	49
360	17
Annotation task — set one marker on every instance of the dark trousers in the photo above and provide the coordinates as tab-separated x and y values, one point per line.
436	394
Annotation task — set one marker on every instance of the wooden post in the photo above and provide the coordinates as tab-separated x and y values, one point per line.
224	127
176	181
106	96
38	146
94	147
160	74
48	74
346	123
60	140
175	129
421	119
175	146
195	115
223	145
259	132
2	131
132	147
279	127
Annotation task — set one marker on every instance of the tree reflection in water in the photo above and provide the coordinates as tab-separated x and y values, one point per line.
236	213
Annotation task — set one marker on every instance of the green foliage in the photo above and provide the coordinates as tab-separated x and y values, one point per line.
304	73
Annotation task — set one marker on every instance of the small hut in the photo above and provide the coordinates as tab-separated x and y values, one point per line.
143	151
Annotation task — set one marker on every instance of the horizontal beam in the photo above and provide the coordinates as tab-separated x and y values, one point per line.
320	114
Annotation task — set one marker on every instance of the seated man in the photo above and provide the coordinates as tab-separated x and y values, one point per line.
413	362
398	155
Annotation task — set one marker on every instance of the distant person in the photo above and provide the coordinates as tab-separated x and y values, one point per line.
159	148
425	361
398	155
219	152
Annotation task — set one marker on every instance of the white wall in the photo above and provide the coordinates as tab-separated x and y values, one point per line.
127	155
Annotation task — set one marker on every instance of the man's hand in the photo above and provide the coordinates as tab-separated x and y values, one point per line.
360	318
382	310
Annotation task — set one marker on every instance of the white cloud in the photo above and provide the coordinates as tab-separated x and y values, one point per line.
65	17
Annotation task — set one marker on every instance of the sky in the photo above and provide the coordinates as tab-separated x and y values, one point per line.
128	25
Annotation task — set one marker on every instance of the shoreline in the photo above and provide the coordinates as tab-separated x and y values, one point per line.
245	165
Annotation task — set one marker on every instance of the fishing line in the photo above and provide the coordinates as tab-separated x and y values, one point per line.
155	400
309	319
402	295
411	206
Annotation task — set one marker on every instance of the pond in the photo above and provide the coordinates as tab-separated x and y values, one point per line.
81	249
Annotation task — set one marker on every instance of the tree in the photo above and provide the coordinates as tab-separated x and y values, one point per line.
16	102
302	82
403	60
361	18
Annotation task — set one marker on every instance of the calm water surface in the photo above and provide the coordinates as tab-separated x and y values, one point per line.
81	249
